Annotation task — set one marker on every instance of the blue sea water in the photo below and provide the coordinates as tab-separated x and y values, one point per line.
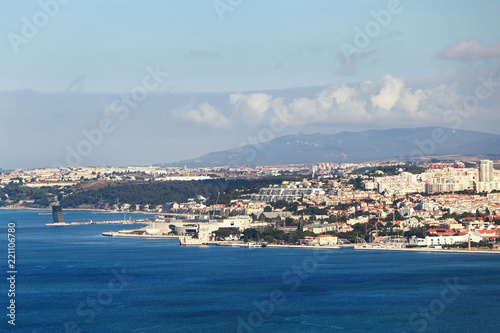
72	279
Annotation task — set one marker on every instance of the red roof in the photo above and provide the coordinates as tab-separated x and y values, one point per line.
492	232
471	218
442	232
323	236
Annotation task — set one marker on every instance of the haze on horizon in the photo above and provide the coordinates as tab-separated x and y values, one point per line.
166	81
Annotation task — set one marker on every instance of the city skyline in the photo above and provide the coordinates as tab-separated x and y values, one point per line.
171	81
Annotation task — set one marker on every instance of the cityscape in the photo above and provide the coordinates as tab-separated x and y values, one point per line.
219	166
429	205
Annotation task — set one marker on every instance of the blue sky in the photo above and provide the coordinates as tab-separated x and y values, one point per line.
232	65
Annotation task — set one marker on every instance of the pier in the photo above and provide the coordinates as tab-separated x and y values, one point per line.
63	224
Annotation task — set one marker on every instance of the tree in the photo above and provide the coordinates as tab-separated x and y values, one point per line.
235	232
289	221
278	204
251	235
269	239
222	233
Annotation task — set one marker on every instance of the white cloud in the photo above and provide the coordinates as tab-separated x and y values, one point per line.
389	94
253	106
205	114
381	103
385	102
470	50
253	109
410	101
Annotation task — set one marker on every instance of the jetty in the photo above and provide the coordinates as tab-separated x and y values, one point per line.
63	224
59	221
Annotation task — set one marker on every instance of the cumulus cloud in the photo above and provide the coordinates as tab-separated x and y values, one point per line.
389	94
383	102
471	50
252	106
205	114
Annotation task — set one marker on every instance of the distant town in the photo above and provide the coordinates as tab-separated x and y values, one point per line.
439	204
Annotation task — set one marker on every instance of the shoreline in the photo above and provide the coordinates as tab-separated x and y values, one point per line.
80	210
321	247
118	234
292	246
429	250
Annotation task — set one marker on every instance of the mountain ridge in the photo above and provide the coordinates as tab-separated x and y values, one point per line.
354	147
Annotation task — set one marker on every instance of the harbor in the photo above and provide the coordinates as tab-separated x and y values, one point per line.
64	224
59	220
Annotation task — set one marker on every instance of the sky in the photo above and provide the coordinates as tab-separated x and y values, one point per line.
136	83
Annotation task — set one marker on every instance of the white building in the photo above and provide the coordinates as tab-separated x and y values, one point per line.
439	185
487	186
486	171
289	194
444	240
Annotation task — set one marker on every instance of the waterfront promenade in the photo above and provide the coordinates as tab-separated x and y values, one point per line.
427	249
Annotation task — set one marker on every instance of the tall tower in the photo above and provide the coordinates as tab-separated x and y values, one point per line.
57	214
486	171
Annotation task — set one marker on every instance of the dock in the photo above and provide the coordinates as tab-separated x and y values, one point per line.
63	224
133	235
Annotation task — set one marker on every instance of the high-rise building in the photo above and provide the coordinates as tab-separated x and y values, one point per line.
57	214
486	171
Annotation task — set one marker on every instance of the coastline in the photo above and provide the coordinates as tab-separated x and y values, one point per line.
80	210
322	247
118	234
221	243
428	250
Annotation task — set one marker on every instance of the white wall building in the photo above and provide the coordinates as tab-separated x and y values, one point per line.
289	194
444	240
486	171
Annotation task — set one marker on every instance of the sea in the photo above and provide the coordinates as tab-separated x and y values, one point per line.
73	279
